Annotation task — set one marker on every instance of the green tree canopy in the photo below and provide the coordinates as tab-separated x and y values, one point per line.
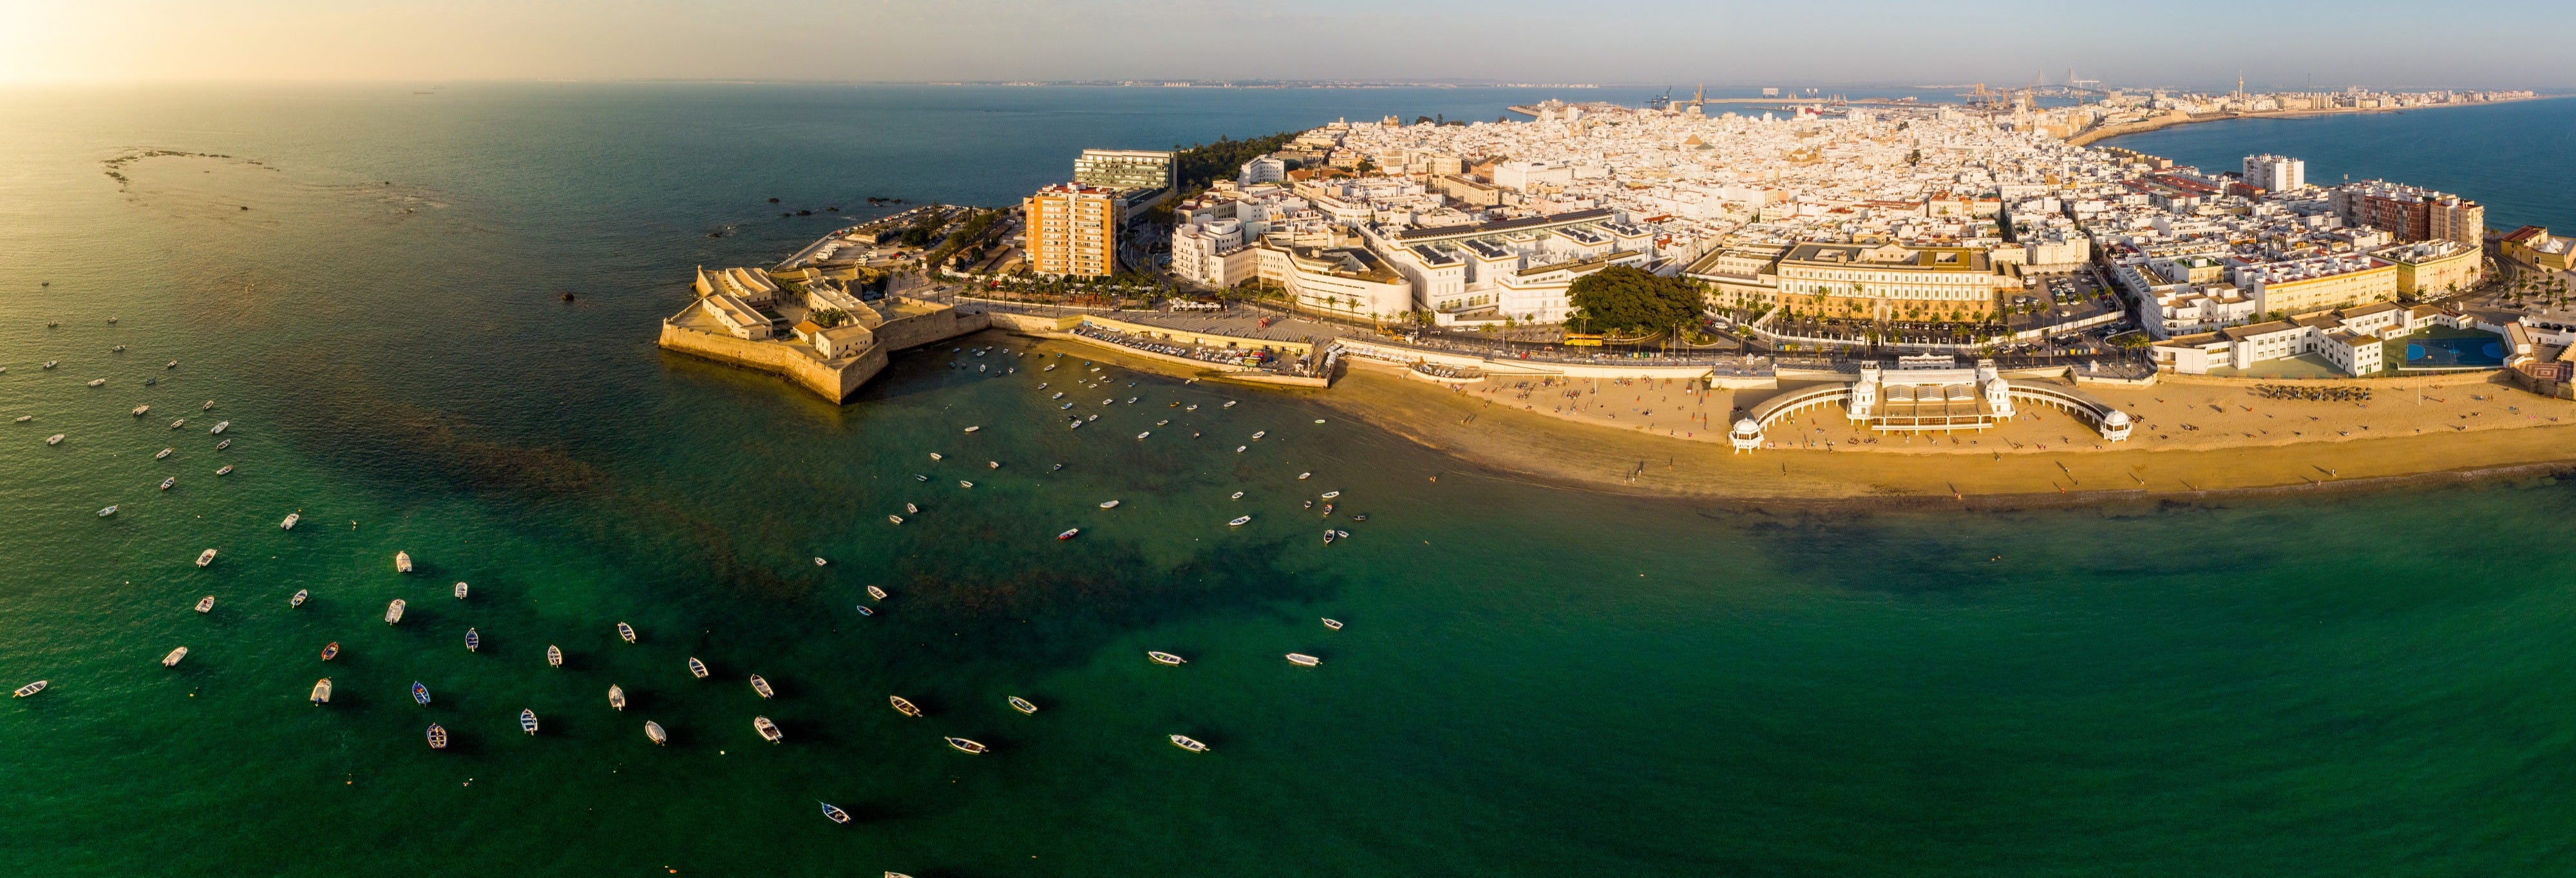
1620	299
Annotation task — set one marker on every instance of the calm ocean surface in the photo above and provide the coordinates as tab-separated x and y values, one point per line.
1532	682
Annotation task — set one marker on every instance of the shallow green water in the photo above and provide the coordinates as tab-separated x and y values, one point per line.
1533	681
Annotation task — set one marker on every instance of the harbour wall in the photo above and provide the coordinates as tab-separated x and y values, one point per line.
1062	328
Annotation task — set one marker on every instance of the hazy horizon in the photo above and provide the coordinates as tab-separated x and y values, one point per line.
2190	44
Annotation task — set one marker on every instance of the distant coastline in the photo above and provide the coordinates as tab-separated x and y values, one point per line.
2092	136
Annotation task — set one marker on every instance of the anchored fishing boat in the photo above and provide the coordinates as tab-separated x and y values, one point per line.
206	604
768	730
206	557
963	745
291	519
1188	743
394	611
402	562
299	598
527	721
473	640
836	815
172	660
35	687
654	731
1333	624
460	591
697	668
626	632
762	686
903	707
1164	658
875	592
437	737
331	650
1303	660
1022	705
322	691
616	697
554	656
419	693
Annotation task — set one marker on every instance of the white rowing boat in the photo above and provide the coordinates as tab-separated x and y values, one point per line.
1165	658
1303	660
1022	705
172	660
394	611
762	686
1188	743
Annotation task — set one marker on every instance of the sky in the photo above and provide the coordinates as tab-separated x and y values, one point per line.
2373	43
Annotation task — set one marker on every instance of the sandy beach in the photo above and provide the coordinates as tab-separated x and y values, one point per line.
2196	437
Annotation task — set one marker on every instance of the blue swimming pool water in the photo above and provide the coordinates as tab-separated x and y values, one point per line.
2436	352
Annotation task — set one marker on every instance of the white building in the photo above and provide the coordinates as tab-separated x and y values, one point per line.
2273	173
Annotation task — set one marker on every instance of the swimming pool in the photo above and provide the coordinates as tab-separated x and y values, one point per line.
2445	352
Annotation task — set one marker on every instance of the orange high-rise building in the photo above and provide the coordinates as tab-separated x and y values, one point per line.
1073	230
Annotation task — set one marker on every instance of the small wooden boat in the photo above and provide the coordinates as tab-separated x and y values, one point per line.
818	562
460	591
864	611
626	632
1304	476
1188	743
1230	403
301	595
322	691
697	668
437	737
1256	437
98	382
1332	494
402	562
225	470
25	418
56	439
909	509
768	730
1328	536
394	611
836	815
992	464
52	363
935	456
1239	448
554	656
206	557
1113	504
1164	658
210	406
182	422
35	687
902	706
895	518
1333	624
963	745
168	482
762	686
219	446
419	693
291	519
140	409
973	429
206	604
473	640
962	483
1303	660
654	731
110	510
164	453
1238	495
1069	533
220	426
1022	705
173	365
1239	521
1140	437
172	660
527	721
331	650
875	592
616	697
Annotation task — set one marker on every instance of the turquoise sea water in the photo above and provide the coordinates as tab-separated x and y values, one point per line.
1532	681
